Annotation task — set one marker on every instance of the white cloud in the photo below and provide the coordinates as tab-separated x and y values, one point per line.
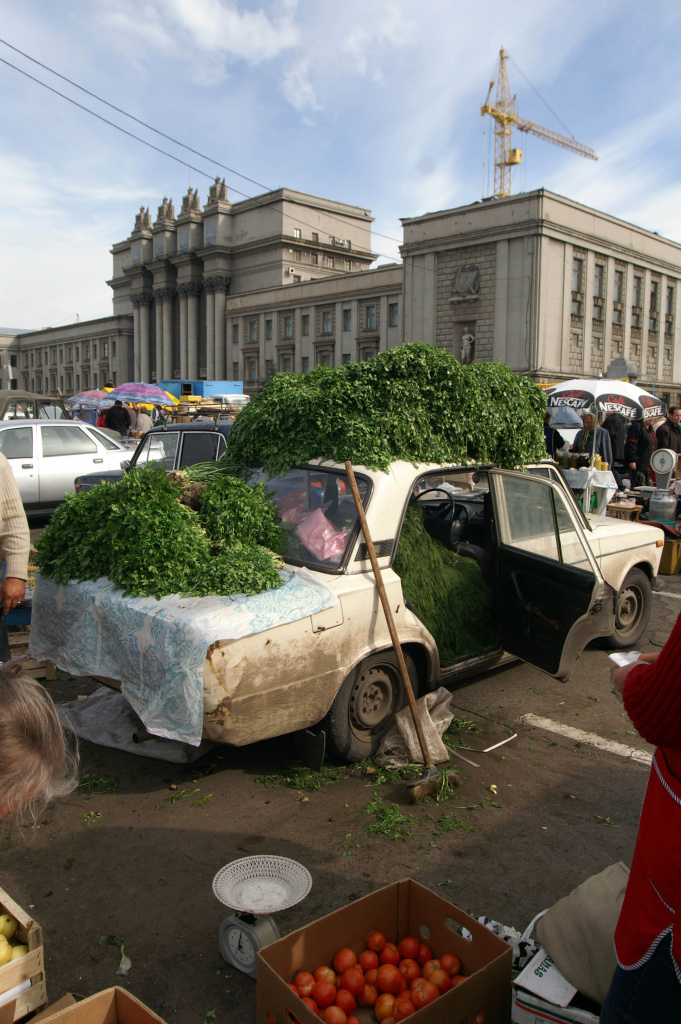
297	88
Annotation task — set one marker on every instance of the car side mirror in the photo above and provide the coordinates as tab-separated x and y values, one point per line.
125	465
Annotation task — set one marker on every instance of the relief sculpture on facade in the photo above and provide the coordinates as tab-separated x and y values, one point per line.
466	283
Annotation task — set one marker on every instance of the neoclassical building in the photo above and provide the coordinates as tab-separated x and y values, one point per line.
284	282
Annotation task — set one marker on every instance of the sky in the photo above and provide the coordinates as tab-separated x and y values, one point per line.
375	103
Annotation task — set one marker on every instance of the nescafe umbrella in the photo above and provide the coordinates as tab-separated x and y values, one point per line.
605	395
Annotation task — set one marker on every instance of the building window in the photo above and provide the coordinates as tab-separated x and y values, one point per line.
40	357
347	319
668	327
268	330
235	333
77	382
577	271
636	291
371	318
636	321
392	314
61	383
114	378
670	300
346	358
326	322
286	363
253	330
297	256
325	358
288	326
314	259
305	362
315	236
113	348
576	308
77	353
598	313
599	273
654	295
348	264
105	350
617	316
618	286
305	324
12	360
330	261
94	378
297	233
251	364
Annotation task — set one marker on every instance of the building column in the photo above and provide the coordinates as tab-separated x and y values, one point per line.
136	303
221	331
158	314
184	371
210	329
145	336
193	331
167	296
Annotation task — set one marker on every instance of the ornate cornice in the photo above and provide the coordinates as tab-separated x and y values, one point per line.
142	299
217	283
165	294
190	288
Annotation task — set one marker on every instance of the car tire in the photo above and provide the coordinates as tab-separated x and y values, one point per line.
365	706
633	606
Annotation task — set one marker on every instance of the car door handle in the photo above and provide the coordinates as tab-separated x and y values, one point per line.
27	465
98	460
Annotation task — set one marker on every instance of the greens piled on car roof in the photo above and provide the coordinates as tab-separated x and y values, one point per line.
415	402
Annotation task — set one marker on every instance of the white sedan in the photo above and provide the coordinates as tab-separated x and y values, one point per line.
46	457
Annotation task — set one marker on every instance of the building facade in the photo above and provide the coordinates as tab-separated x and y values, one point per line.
282	282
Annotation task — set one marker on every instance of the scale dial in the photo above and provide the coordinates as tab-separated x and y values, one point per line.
240	938
663	460
241	947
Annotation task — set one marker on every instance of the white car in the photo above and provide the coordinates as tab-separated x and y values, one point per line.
46	457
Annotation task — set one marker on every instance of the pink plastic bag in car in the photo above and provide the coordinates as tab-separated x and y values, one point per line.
321	538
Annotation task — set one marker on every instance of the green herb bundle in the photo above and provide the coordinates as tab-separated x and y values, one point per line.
138	533
446	589
415	402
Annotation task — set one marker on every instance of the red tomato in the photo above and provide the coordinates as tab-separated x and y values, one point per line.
353	1020
390	954
403	1008
376	941
368	960
441	980
324	994
352	980
458	979
371	977
310	1003
367	996
403	984
343	960
480	1019
334	1015
408	947
409	970
424	994
429	967
293	988
325	973
424	954
304	982
389	979
450	963
346	1000
383	1007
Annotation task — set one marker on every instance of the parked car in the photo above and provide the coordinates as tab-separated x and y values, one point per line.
47	456
557	580
173	446
25	405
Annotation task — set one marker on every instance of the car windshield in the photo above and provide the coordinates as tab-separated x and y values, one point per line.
159	448
317	515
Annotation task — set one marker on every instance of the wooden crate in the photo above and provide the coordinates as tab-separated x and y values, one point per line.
18	644
30	966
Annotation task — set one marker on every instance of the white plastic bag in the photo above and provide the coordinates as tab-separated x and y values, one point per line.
401	743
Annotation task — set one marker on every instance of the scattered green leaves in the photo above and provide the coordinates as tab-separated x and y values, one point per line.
450	823
390	821
92	817
92	783
181	794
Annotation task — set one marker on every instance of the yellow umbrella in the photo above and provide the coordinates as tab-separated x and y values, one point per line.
173	400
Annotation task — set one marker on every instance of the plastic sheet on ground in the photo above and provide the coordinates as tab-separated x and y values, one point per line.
401	744
106	718
157	648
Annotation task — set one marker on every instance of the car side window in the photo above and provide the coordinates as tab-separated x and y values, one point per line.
222	446
160	447
571	544
17	442
66	440
198	447
104	439
529	522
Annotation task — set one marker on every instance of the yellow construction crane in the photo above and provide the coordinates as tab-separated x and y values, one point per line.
505	117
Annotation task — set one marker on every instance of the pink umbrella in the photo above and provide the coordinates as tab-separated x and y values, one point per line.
146	393
91	400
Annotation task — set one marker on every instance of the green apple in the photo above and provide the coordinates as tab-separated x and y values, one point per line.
5	951
18	950
8	925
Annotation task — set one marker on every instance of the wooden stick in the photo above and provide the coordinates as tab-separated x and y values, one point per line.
389	617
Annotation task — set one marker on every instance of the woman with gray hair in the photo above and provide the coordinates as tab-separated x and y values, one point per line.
592	434
36	765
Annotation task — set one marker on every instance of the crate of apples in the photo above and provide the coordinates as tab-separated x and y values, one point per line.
394	980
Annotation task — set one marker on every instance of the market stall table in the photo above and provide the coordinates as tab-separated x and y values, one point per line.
600	481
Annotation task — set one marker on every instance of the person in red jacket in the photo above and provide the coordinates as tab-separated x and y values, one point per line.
646	987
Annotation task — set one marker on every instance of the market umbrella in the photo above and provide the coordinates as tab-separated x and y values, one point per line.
582	394
91	400
148	393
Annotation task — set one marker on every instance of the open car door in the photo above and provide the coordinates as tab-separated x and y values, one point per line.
551	597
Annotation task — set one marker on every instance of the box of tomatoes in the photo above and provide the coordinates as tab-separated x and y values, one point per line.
401	952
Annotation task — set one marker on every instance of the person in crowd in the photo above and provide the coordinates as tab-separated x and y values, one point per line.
646	987
638	448
589	435
668	433
118	418
144	422
36	766
101	419
132	413
87	416
552	438
15	540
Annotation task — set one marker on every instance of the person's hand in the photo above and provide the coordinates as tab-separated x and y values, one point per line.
619	676
12	593
632	465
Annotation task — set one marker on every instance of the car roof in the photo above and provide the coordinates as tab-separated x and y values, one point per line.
172	428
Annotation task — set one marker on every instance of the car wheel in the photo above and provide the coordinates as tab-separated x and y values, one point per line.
365	706
633	606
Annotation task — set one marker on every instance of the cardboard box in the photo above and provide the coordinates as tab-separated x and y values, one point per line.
670	562
61	1004
30	967
404	908
112	1006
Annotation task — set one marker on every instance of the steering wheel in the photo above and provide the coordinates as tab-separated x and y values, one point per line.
444	512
